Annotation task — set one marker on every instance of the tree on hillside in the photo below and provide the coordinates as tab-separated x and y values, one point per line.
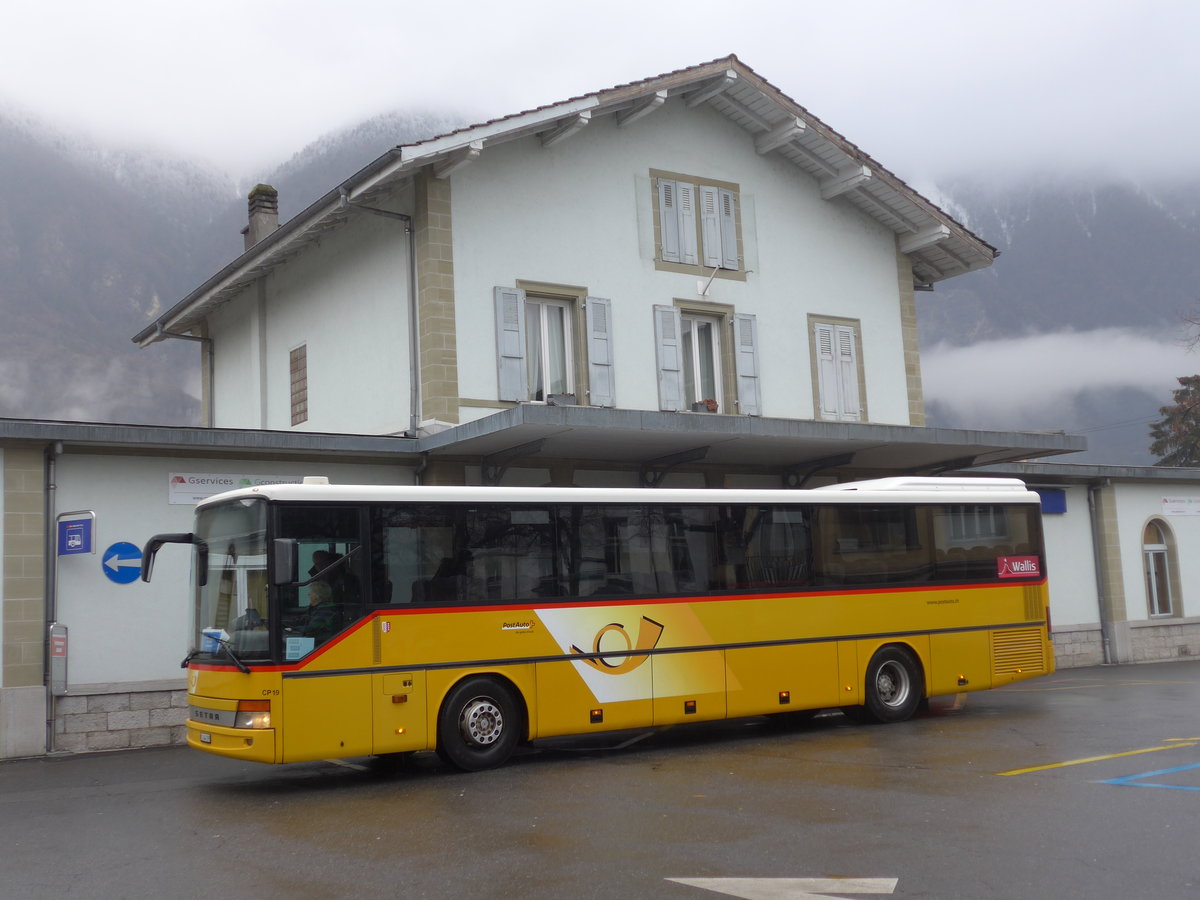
1177	435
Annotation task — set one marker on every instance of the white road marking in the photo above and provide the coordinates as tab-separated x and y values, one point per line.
790	888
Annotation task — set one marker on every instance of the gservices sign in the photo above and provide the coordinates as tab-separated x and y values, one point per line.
189	488
1018	566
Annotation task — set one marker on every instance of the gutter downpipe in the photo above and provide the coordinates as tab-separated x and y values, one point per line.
53	451
414	339
1094	488
161	333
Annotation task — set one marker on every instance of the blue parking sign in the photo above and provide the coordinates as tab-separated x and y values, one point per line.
74	536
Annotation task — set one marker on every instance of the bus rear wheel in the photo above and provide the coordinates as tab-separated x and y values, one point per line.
894	686
479	725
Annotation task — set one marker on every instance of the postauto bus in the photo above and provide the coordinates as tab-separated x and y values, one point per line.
338	621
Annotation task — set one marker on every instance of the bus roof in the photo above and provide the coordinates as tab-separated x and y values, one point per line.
883	490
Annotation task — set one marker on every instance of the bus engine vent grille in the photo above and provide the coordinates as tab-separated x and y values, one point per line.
1035	611
1022	650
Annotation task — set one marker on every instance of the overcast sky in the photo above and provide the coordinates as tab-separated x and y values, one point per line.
927	88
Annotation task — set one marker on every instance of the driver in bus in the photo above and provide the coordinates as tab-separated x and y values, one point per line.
323	618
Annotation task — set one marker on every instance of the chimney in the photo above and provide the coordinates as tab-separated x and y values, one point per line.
264	214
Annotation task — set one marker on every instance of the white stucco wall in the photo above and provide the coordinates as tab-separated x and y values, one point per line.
1071	563
1137	504
140	632
347	300
581	213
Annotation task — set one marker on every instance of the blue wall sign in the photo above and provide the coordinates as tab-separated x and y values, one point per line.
122	562
74	536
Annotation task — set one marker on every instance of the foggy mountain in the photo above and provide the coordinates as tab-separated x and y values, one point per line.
95	243
1078	320
1078	325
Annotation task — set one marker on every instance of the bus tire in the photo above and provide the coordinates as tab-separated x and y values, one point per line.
894	685
479	725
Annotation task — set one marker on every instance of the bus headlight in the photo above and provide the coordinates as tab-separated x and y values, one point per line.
253	714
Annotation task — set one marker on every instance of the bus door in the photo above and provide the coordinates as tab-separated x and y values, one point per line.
325	713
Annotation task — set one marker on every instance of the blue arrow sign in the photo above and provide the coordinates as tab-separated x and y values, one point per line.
122	562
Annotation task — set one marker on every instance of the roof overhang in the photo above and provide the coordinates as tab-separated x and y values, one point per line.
536	434
938	246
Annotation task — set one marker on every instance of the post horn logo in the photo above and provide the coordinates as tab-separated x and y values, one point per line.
634	654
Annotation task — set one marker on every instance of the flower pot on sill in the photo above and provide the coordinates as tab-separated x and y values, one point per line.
708	406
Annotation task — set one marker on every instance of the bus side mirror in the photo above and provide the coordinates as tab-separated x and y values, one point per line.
151	549
287	562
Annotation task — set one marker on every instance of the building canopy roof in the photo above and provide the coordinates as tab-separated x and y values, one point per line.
938	246
536	436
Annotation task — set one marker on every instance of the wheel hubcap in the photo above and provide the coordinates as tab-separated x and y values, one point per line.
892	684
481	721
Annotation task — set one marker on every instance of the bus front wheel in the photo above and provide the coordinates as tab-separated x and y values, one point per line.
894	685
479	725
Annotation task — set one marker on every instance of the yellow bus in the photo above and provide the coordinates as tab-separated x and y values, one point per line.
338	621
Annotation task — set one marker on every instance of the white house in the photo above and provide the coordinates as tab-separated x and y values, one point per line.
692	242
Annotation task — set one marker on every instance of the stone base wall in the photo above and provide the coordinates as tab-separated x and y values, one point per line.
1078	647
119	720
1158	641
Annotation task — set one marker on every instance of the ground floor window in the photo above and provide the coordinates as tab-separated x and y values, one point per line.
1157	552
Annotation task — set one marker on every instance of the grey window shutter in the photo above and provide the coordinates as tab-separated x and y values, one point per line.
601	389
686	197
827	372
847	357
710	225
510	343
668	219
728	218
745	335
667	327
837	372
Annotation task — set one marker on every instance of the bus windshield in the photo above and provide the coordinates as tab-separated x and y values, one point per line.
231	581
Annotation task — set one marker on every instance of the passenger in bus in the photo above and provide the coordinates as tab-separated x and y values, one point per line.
334	571
323	619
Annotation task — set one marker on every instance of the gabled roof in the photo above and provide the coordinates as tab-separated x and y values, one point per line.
938	246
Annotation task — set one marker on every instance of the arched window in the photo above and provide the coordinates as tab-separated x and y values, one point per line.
1157	553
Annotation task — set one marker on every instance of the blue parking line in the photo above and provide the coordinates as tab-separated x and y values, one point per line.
1136	780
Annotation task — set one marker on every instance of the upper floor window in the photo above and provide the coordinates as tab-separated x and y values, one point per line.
553	343
836	352
298	377
699	367
697	222
548	360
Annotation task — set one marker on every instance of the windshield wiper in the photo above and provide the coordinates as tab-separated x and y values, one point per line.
242	667
224	644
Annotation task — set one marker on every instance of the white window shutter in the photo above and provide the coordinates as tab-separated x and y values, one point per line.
710	225
510	343
668	219
687	222
728	217
667	328
827	371
601	387
745	336
847	361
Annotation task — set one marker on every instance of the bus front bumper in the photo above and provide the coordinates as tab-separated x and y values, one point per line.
256	744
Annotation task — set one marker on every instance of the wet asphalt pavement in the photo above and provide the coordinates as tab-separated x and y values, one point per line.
1103	802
